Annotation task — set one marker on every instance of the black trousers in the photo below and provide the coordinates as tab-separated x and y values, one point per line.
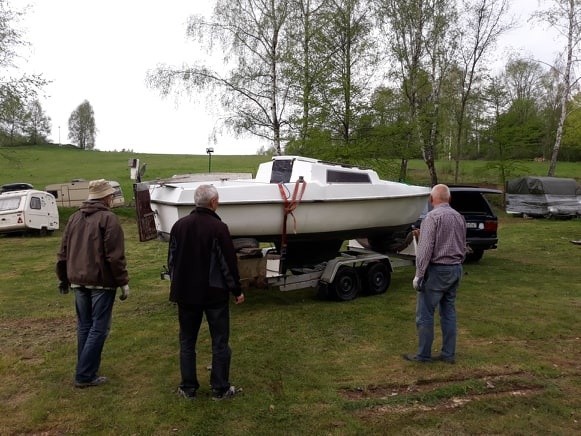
190	319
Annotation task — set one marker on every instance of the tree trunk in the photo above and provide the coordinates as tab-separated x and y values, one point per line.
566	90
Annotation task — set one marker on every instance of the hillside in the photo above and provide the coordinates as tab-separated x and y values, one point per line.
43	165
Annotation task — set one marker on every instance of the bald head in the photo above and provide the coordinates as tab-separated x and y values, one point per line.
440	194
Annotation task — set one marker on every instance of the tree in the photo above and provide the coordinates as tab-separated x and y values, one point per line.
23	87
307	64
82	127
421	40
563	16
482	28
254	91
352	60
12	114
36	124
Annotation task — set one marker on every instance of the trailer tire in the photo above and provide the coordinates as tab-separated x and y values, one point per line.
376	277
346	284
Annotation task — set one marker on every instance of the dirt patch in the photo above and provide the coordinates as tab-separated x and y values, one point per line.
29	338
423	385
430	395
448	404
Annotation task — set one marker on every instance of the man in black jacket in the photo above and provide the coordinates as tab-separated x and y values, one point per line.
204	271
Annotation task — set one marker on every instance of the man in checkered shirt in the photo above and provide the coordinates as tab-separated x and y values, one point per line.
440	253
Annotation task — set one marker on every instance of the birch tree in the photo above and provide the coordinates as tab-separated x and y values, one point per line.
254	93
563	16
421	41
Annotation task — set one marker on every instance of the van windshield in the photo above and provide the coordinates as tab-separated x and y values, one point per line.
11	203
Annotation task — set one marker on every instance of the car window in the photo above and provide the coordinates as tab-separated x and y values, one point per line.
469	202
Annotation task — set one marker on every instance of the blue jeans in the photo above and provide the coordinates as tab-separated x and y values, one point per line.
94	309
438	290
190	319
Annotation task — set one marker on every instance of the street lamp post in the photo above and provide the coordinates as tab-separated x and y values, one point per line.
209	150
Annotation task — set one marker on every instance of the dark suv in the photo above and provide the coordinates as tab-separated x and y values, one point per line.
481	222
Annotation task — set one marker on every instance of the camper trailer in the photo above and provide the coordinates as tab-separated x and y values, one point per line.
72	194
28	210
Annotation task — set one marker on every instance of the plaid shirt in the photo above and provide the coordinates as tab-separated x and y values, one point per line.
442	239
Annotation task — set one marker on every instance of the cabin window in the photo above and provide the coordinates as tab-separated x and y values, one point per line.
35	203
9	203
334	176
281	171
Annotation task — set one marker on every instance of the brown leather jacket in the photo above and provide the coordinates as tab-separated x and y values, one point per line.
92	251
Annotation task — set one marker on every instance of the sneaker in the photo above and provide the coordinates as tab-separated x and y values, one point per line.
228	393
415	358
97	381
189	394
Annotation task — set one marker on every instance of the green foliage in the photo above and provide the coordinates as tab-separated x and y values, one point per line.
82	126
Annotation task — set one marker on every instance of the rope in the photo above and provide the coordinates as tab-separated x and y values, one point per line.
288	209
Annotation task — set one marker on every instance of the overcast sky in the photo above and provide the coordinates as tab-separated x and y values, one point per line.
101	50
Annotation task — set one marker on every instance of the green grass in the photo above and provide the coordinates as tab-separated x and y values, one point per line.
307	366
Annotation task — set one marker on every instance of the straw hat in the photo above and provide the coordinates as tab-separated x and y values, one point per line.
99	189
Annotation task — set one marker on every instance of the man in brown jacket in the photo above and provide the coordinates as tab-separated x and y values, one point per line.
91	261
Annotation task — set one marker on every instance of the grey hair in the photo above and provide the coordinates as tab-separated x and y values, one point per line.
204	195
441	192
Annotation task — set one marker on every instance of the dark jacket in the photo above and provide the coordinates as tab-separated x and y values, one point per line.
92	251
190	256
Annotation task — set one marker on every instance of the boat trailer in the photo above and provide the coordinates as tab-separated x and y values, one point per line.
354	271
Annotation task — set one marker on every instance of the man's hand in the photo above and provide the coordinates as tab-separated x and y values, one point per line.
124	293
417	283
239	299
64	287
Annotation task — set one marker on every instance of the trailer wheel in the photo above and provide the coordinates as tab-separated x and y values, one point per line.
346	284
377	278
43	231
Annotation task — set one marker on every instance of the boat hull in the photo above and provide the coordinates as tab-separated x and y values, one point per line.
329	216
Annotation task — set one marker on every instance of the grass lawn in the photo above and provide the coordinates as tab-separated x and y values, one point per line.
307	366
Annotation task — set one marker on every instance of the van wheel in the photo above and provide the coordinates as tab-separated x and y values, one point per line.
43	231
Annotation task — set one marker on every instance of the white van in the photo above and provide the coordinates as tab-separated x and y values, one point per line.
72	194
29	210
